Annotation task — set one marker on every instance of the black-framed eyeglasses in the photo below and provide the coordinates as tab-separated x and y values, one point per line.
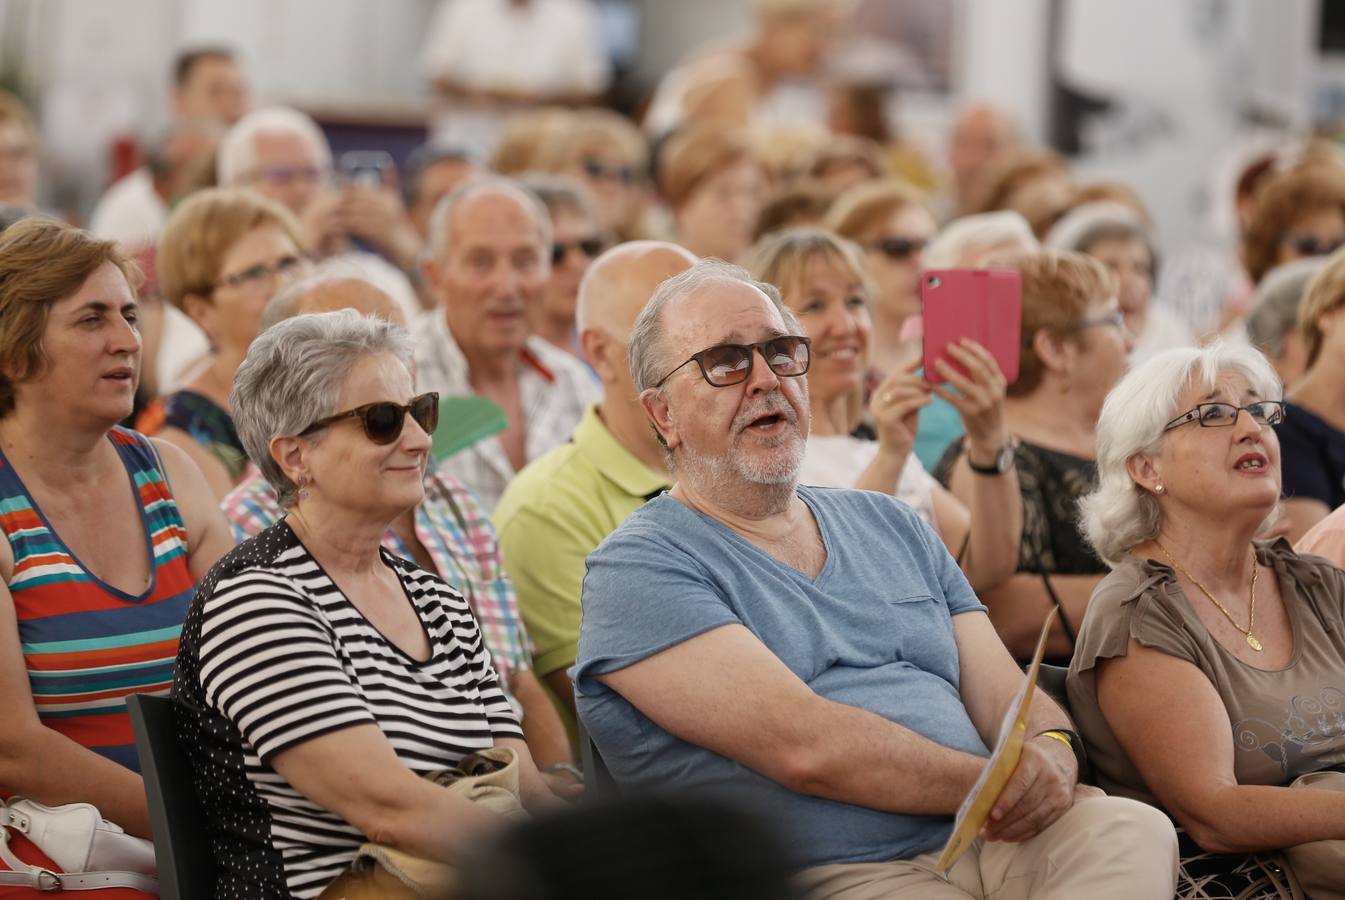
590	247
899	248
291	264
1117	319
383	421
594	168
1310	245
1224	415
727	364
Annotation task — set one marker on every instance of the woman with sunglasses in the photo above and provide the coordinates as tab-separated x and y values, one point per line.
222	256
1199	627
576	240
1299	213
1072	352
1312	434
891	224
105	533
319	674
821	278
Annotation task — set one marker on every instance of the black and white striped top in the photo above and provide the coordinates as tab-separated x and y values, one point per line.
273	655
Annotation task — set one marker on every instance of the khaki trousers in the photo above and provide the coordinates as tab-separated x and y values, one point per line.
1103	848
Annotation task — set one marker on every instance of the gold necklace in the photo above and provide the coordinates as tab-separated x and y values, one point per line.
1251	611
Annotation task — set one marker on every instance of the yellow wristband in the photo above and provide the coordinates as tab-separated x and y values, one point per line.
1059	736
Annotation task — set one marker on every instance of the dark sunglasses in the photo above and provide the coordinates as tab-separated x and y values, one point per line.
590	247
383	421
899	248
595	169
286	265
1225	415
727	364
1307	245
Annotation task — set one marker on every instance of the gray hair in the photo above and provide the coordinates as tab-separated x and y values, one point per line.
1119	514
648	355
560	192
442	217
1275	308
977	231
293	375
237	154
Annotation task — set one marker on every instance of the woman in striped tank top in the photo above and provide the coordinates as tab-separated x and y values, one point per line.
106	532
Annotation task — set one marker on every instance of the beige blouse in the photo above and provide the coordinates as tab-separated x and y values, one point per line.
1284	723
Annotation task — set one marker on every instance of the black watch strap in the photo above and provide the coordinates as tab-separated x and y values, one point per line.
1002	462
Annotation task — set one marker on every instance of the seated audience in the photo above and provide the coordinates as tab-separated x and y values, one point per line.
847	161
1117	237
1296	214
821	279
488	261
576	240
1207	658
799	204
981	136
607	153
1073	350
978	241
889	221
369	669
562	505
825	663
715	184
18	153
209	86
446	533
223	254
1312	435
430	175
1272	324
107	531
1036	184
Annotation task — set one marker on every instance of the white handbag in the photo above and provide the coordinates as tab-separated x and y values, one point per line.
93	852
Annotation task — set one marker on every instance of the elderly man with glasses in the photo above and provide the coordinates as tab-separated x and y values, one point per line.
816	653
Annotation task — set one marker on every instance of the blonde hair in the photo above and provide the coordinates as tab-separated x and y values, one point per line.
1058	285
696	154
1325	293
1283	200
43	261
202	229
860	211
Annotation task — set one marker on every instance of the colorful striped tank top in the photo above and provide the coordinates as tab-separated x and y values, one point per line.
86	644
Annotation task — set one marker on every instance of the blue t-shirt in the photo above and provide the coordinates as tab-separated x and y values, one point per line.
874	630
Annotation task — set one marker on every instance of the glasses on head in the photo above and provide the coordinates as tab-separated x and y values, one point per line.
899	248
284	175
1116	319
289	265
1308	245
595	169
1224	415
383	421
727	364
590	247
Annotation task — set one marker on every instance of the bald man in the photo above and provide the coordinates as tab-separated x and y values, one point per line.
448	533
982	134
560	507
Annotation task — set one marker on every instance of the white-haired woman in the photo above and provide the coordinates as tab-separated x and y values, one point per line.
1210	669
318	674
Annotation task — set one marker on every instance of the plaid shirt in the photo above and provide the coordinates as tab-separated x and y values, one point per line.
554	390
458	535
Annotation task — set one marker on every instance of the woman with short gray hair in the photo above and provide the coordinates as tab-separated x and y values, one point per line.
319	674
1198	626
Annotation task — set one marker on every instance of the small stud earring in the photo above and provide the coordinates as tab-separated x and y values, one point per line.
1158	489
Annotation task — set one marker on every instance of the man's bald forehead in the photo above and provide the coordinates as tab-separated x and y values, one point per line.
621	281
350	293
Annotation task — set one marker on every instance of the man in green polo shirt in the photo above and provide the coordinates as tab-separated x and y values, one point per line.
559	507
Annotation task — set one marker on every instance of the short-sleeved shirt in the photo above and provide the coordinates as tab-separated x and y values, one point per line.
209	424
553	515
1283	723
874	630
1312	457
458	535
554	390
273	655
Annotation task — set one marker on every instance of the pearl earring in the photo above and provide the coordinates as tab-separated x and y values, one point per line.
1158	489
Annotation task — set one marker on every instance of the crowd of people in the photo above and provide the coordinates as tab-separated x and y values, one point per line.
621	433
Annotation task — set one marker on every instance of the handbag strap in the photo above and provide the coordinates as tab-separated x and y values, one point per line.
40	878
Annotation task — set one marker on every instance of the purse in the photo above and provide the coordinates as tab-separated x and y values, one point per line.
92	852
379	872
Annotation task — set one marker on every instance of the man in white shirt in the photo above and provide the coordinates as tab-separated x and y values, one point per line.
489	258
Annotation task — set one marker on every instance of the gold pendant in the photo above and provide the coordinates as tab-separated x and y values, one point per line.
1253	643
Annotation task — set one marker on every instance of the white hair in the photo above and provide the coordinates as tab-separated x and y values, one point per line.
1275	307
977	232
1119	514
237	154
